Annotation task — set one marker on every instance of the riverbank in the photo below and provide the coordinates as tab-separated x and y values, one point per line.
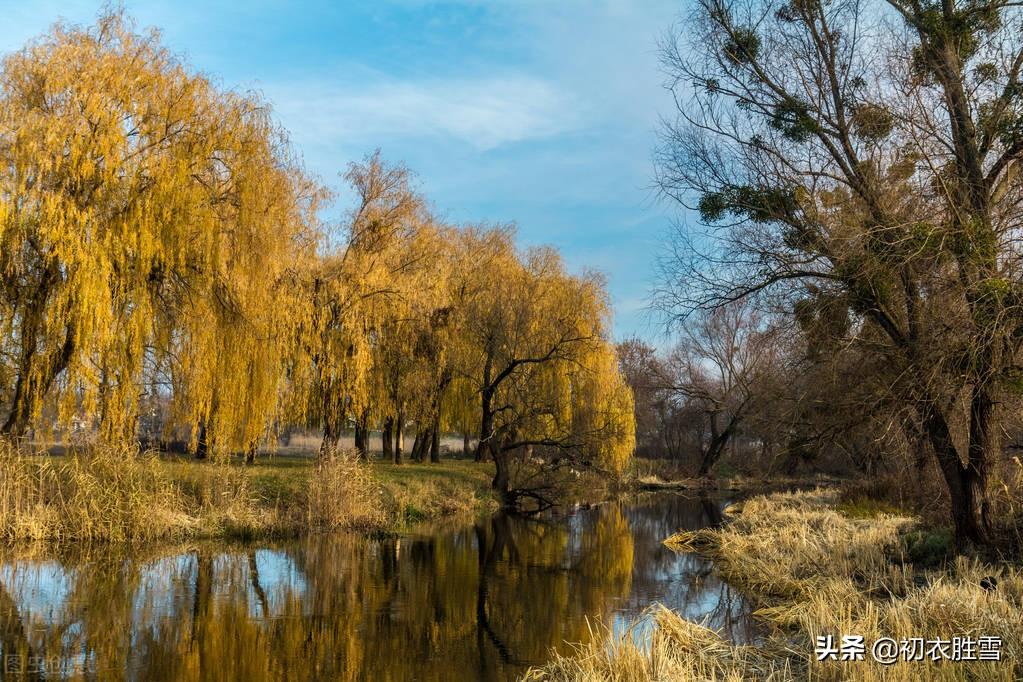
820	568
112	495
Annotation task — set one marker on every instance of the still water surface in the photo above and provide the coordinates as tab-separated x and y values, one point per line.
482	601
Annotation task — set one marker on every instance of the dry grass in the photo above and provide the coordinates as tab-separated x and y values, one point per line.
678	650
344	494
112	494
102	494
818	572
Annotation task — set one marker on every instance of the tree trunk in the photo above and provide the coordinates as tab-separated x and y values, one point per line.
30	383
386	439
250	454
417	447
483	448
717	444
966	484
500	483
487	411
331	436
465	445
202	445
33	382
399	437
435	442
362	436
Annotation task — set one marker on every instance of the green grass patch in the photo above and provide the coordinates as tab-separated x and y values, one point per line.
863	507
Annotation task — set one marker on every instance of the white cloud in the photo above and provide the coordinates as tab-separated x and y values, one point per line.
485	112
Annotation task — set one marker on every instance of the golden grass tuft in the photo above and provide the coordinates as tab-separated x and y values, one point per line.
677	650
343	493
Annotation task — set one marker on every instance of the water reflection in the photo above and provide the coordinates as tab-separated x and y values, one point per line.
483	601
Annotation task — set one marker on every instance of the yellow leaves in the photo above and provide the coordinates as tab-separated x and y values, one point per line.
158	237
161	204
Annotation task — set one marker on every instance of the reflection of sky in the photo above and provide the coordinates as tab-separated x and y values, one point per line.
41	586
684	582
279	578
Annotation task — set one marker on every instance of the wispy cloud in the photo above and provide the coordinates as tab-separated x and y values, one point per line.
485	112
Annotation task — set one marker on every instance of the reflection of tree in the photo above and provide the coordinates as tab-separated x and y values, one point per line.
490	599
257	587
487	554
12	633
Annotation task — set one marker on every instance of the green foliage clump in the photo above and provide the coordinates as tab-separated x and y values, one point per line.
863	507
929	548
742	47
759	204
792	119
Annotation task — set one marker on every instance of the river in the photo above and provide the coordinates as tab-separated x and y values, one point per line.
474	601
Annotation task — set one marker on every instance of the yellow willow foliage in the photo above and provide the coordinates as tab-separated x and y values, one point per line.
603	414
360	291
145	216
414	328
525	318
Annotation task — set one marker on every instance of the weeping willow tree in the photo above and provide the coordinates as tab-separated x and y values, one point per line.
158	240
354	293
536	347
146	217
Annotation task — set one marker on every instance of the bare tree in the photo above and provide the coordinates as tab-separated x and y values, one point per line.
865	154
716	367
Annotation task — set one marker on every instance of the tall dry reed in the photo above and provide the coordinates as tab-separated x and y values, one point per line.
103	493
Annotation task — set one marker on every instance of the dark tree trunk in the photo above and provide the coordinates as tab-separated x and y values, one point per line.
30	384
387	439
202	445
487	411
250	454
417	446
501	483
435	442
465	445
362	436
358	438
33	381
483	448
331	436
399	437
967	493
985	444
718	441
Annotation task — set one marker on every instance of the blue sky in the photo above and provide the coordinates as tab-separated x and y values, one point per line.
538	112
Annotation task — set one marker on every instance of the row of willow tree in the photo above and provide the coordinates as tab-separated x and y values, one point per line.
160	242
856	169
